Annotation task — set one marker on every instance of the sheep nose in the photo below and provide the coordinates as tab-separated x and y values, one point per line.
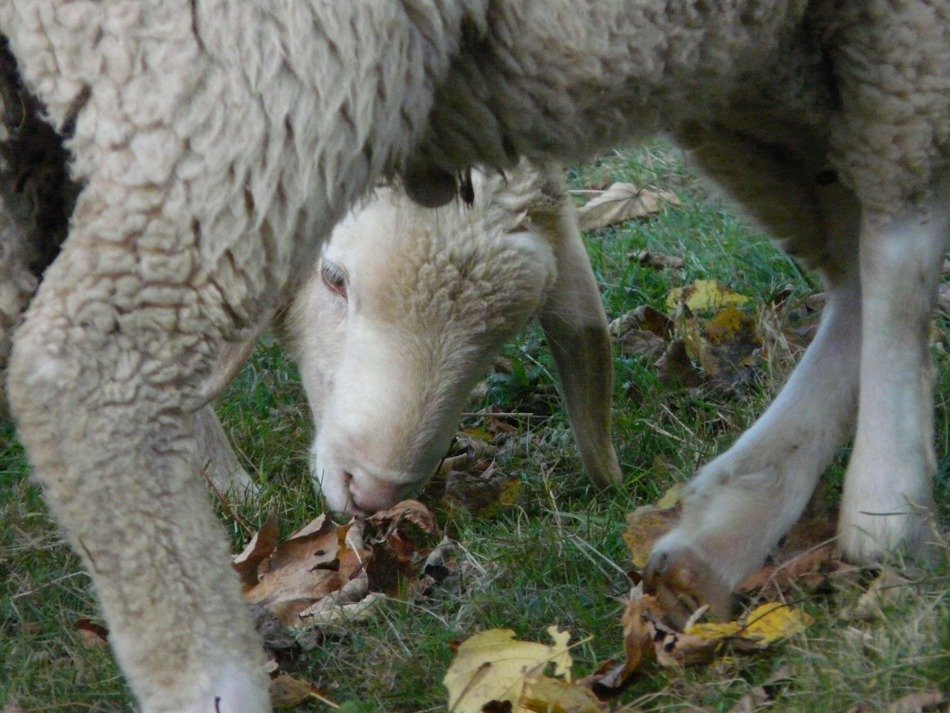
369	493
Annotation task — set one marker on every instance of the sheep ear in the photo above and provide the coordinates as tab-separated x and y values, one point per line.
575	324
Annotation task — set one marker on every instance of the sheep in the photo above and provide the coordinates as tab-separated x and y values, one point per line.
217	142
408	306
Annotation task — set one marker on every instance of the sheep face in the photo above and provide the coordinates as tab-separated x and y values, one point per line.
400	319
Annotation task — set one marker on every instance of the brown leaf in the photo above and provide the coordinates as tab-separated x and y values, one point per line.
638	342
482	493
317	560
644	318
656	260
92	634
887	589
620	203
257	550
406	511
676	369
809	570
289	692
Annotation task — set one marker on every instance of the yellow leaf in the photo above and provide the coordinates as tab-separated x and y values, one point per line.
494	666
645	526
704	295
769	623
551	695
761	627
648	523
671	497
715	631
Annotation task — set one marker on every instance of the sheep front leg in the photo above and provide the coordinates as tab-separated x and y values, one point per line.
575	325
740	504
888	493
103	375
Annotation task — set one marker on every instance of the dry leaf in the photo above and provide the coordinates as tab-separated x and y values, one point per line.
704	295
645	526
92	634
620	203
888	588
289	692
494	666
552	695
638	342
759	629
675	367
315	561
406	511
644	318
482	492
808	571
257	550
648	638
656	260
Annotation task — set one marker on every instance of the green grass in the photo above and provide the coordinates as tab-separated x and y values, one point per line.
556	558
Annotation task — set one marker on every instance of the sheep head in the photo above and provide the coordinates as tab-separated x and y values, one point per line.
401	318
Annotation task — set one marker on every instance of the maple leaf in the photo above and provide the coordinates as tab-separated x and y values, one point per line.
493	667
315	561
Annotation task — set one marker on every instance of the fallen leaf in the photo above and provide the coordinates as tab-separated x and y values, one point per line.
675	368
406	511
645	526
888	588
551	695
260	547
289	692
620	203
343	607
759	629
312	563
639	342
704	295
657	260
494	666
92	634
809	570
648	638
644	318
482	492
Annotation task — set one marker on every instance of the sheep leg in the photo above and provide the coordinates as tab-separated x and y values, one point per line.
888	493
103	397
739	505
217	459
575	325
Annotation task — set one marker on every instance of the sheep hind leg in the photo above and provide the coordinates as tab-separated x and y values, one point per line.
888	492
739	506
102	387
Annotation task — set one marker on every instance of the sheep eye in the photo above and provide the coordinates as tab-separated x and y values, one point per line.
334	277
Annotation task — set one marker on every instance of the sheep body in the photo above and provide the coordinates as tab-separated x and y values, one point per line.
218	142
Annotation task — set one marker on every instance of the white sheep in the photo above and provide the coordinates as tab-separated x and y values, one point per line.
218	141
405	312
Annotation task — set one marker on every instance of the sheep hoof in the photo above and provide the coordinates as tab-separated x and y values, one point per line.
683	581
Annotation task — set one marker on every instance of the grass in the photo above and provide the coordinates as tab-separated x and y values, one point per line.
556	558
